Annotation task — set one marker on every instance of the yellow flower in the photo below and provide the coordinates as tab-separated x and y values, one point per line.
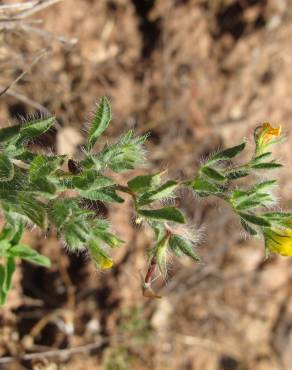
103	262
106	264
269	133
279	241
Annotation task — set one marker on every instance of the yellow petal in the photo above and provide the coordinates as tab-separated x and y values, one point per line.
268	132
280	241
106	264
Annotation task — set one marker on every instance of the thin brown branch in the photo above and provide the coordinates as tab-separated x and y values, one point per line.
35	61
28	101
54	353
40	5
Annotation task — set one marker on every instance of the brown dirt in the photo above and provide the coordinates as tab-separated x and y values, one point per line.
197	75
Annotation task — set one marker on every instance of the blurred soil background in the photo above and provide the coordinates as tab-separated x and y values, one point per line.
197	75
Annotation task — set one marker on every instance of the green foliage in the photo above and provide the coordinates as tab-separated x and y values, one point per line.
227	153
6	168
50	190
100	123
166	213
181	245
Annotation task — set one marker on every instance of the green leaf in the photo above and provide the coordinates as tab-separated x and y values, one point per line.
6	168
166	213
227	153
35	128
257	220
110	239
236	174
18	231
251	231
264	185
26	253
32	208
60	211
255	200
247	204
204	186
24	155
261	157
180	245
283	219
9	133
142	183
238	194
100	123
213	174
43	166
42	186
91	180
76	233
9	271
266	166
3	293
164	191
279	215
106	194
100	257
123	155
158	228
6	232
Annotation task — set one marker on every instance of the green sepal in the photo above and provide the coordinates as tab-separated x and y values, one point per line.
179	244
160	252
158	228
100	230
76	234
